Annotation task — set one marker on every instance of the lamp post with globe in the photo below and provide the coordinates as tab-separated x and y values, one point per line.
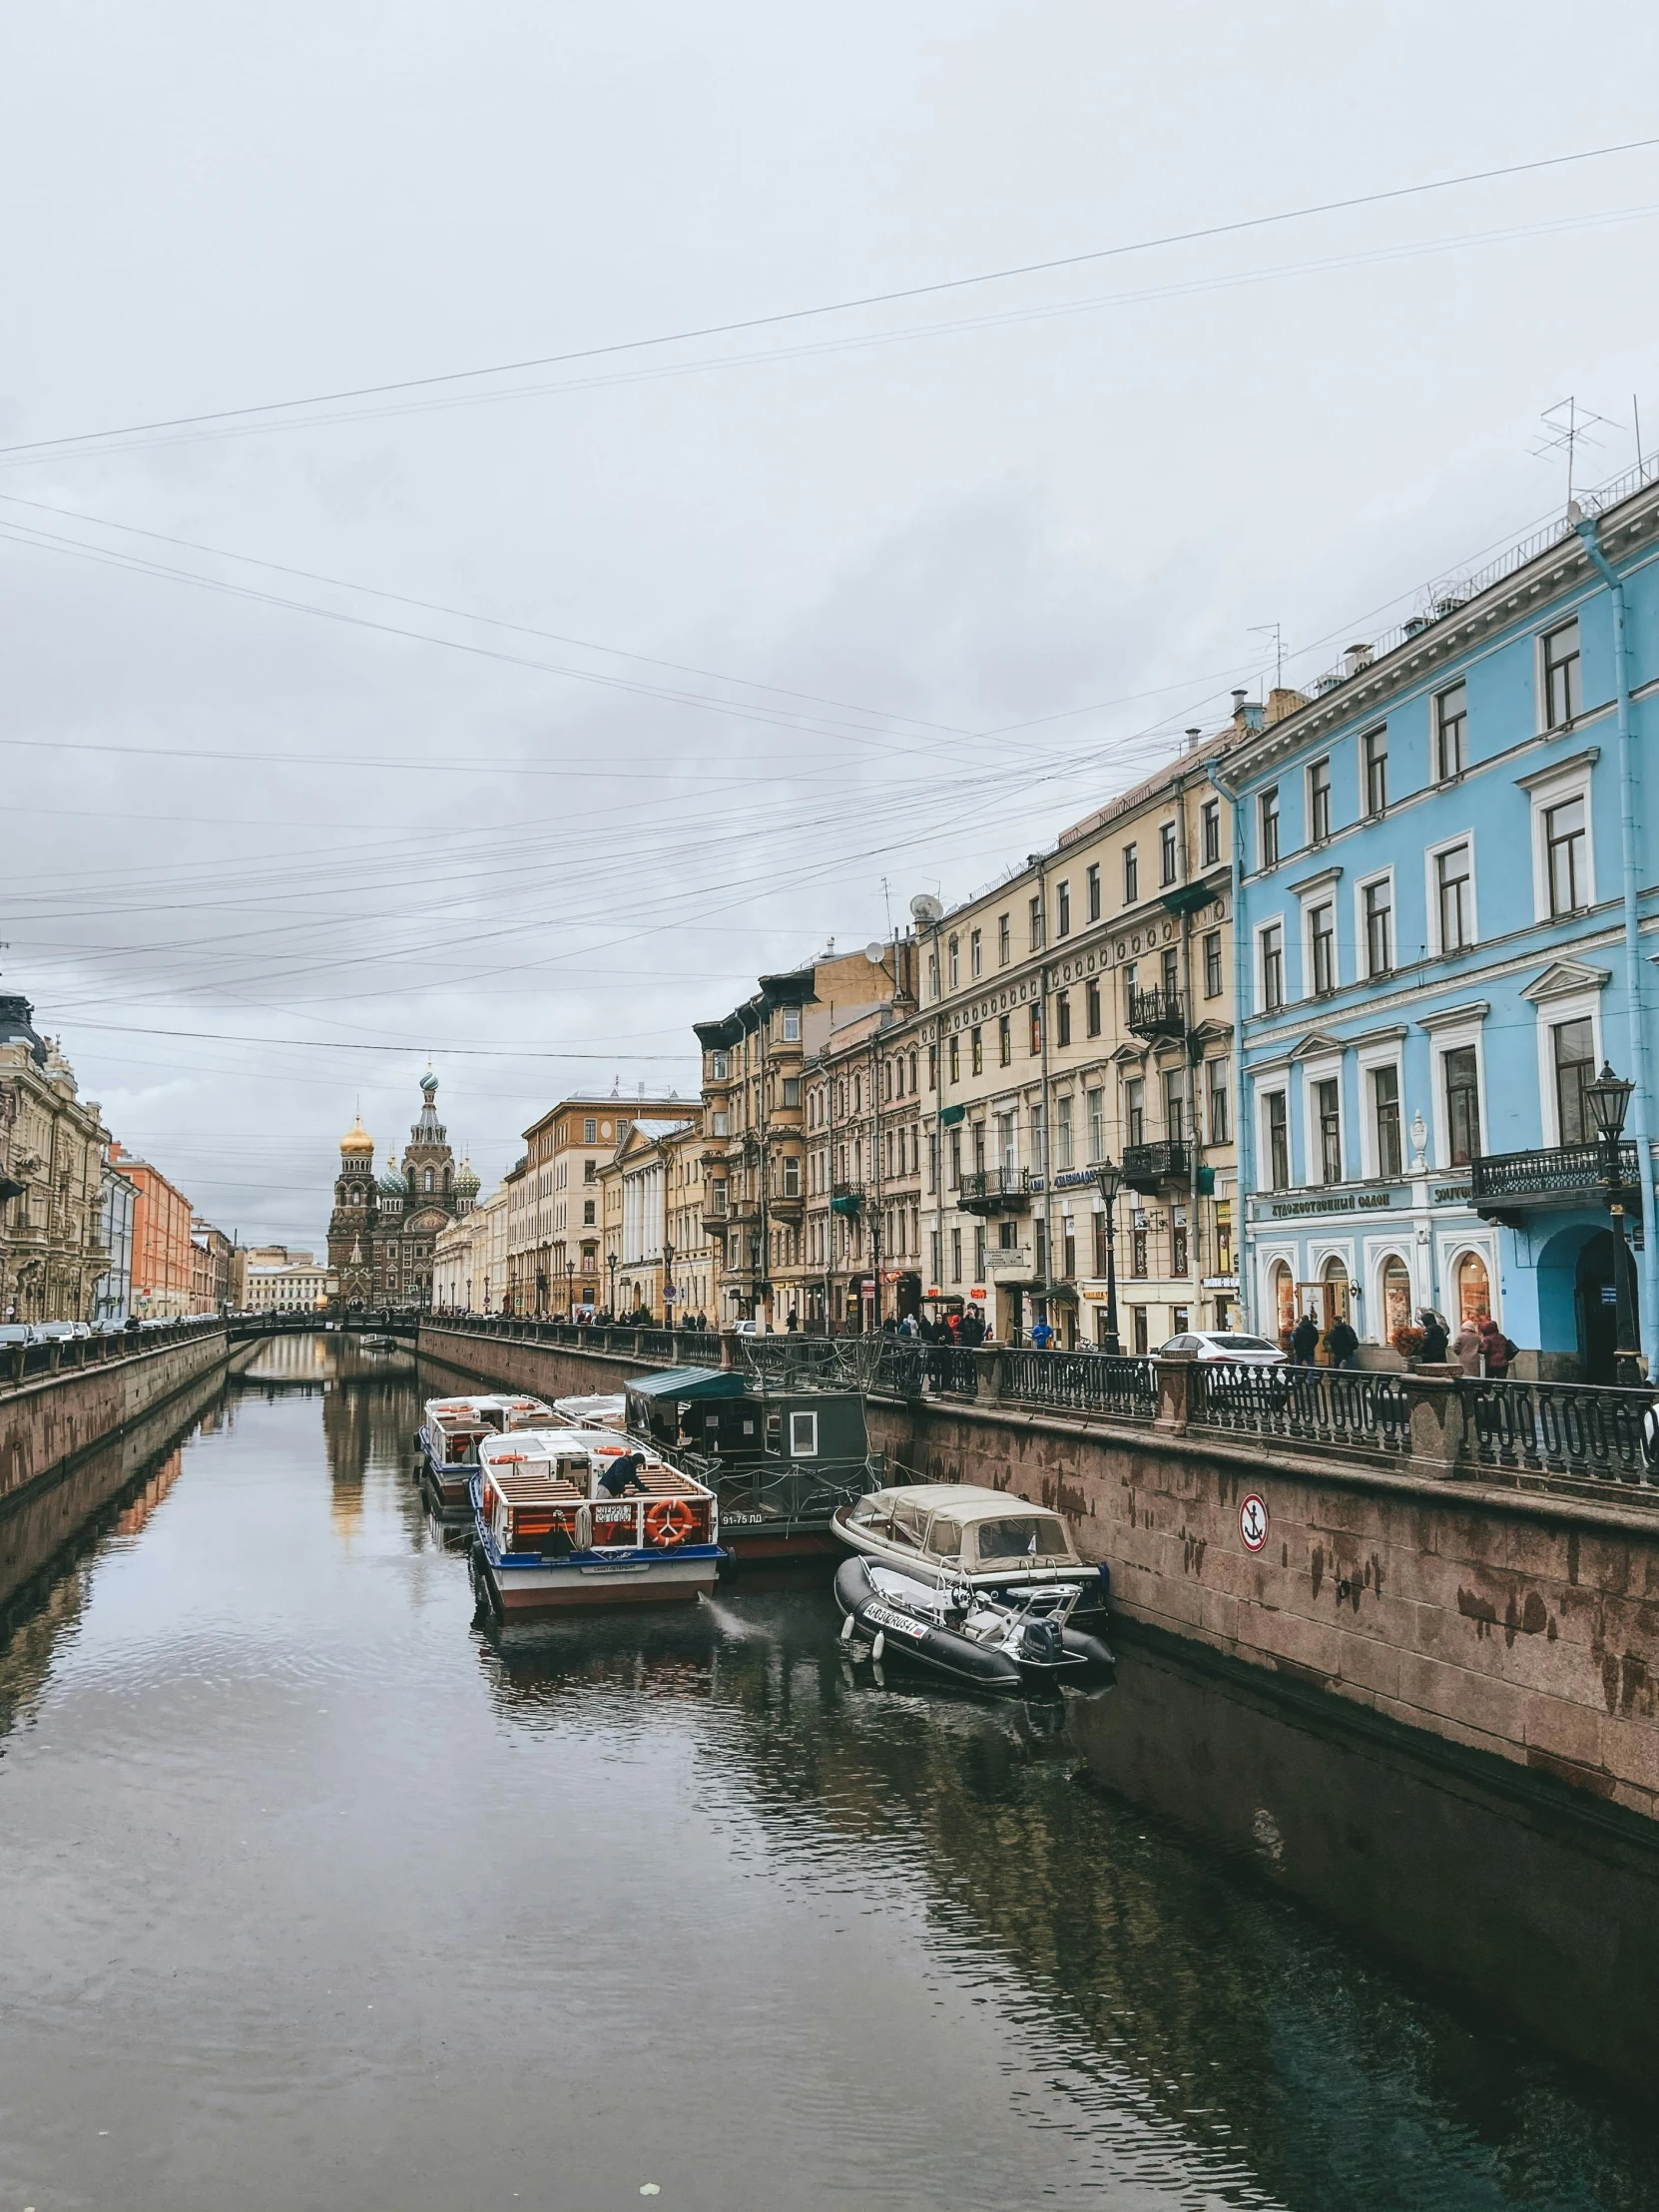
1608	1099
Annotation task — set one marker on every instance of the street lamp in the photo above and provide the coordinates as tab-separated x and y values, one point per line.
1109	1181
668	1283
1608	1099
611	1262
570	1290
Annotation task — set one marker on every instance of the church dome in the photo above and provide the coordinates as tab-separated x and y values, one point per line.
466	1180
391	1180
357	1139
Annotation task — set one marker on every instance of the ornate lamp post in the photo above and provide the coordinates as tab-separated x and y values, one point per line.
611	1259
668	1283
570	1290
1608	1099
1109	1180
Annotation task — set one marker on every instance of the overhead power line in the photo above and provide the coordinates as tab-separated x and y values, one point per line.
781	317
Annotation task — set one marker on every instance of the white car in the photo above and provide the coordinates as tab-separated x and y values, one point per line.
1228	1345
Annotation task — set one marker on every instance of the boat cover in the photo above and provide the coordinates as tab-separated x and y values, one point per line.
691	1382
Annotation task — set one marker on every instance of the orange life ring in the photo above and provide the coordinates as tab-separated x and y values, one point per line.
670	1521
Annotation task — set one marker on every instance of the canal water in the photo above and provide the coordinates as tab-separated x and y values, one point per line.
315	1893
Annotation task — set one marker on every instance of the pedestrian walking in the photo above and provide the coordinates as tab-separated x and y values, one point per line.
1304	1341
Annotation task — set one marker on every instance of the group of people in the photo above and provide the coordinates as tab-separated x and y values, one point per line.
643	1318
966	1327
1479	1347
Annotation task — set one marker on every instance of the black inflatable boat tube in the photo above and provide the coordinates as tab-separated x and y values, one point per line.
907	1638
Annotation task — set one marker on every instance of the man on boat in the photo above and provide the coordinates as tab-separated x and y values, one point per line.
624	1474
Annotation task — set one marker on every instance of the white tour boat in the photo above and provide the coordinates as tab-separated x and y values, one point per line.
454	1429
581	1517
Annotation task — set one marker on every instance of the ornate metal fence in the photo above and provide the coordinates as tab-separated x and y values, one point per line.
1324	1405
1558	1428
1082	1382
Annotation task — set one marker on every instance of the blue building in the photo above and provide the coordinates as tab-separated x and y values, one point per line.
1447	905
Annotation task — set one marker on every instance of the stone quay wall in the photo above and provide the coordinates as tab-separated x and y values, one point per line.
1510	1621
49	1419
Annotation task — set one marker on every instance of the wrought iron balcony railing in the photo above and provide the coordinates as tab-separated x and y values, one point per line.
1150	1167
1155	1012
1518	1182
994	1190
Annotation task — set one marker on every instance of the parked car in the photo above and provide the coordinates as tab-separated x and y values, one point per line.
57	1332
1229	1345
14	1333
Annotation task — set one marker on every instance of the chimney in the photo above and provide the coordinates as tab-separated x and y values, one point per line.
1195	737
1238	703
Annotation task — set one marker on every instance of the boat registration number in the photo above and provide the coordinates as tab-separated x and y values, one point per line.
884	1618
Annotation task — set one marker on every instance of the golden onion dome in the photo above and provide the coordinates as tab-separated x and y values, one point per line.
358	1138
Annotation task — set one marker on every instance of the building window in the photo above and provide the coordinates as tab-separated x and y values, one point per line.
976	952
976	1051
1138	1253
1036	914
792	1090
1219	1070
1267	815
1322	938
1566	856
1138	1330
1036	1032
1131	876
1178	1249
1212	964
955	963
1091	1008
719	1067
932	975
1209	816
1373	747
1062	1135
1572	1047
1475	1291
1273	967
1319	801
588	1221
955	1058
1166	852
1384	1109
1134	1110
1063	1018
1004	1041
1224	1237
792	1176
1455	889
1328	1111
1063	905
1462	1104
1279	1140
1380	914
1004	941
1093	880
792	1026
1451	723
1563	700
1174	1104
955	1256
589	1131
1097	1125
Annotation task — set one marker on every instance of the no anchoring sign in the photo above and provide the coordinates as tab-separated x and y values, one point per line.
1253	1522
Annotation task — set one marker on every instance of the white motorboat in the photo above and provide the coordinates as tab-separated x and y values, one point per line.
948	1533
608	1411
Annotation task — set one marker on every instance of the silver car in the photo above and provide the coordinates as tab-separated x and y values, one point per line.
1228	1345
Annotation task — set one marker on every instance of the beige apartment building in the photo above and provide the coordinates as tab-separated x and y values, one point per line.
554	1231
753	1127
1082	1011
656	1253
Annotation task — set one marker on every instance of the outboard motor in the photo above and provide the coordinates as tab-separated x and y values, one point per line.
1040	1640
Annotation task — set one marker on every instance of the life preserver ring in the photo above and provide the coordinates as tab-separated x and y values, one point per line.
670	1521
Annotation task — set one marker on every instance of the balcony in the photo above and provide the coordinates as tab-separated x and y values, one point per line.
716	1219
1504	1186
1150	1168
994	1191
1158	1013
786	1205
846	1198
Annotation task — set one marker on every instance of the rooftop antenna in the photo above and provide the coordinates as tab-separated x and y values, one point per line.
1567	426
1275	631
888	902
1636	420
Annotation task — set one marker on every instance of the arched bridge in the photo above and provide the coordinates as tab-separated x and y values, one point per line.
358	1323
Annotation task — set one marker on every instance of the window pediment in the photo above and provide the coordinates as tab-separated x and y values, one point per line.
1565	979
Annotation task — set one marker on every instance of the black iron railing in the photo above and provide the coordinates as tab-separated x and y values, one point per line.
1565	1169
1542	1428
1321	1405
1081	1383
993	1186
1154	1012
1148	1167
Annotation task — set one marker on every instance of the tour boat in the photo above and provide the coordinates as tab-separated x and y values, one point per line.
609	1411
985	1641
454	1429
945	1533
550	1536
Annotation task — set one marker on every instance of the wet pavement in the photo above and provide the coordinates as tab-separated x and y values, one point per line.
315	1893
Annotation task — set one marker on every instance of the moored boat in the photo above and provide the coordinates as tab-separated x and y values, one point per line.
606	1411
945	1533
568	1519
454	1429
979	1640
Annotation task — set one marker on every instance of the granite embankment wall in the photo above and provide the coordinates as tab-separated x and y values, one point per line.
1508	1621
49	1419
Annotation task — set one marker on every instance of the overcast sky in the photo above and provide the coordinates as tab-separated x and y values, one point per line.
570	698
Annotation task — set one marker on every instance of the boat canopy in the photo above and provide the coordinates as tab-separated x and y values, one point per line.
686	1384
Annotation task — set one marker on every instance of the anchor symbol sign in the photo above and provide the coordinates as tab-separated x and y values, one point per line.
1253	1522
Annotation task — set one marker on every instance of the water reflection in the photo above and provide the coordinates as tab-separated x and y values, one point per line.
316	1890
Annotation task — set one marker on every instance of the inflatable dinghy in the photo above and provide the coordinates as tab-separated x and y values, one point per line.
979	1641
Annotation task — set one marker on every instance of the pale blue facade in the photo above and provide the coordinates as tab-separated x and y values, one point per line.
1446	919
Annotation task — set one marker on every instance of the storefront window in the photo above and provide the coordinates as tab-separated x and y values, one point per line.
1396	1297
1474	1295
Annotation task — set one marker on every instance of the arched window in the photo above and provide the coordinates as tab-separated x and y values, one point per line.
1475	1290
1397	1296
1282	1292
426	1180
1333	1276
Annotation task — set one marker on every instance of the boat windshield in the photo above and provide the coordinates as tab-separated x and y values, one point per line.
1022	1536
944	1538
